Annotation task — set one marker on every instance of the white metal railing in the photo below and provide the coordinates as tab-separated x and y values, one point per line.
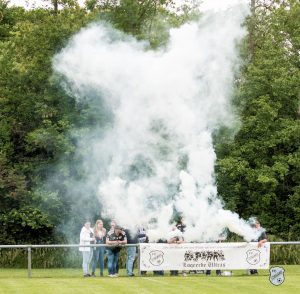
29	247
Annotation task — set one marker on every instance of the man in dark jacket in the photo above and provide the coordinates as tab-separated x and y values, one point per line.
131	251
262	238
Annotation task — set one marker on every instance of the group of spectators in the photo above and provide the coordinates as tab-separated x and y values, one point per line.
118	236
114	239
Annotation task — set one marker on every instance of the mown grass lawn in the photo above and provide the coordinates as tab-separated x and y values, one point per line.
71	281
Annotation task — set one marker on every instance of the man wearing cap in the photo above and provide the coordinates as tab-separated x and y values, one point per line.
114	240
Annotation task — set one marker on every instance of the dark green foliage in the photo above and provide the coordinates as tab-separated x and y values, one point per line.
258	171
35	115
27	224
257	167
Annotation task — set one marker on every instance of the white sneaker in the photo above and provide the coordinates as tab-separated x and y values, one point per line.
227	273
111	276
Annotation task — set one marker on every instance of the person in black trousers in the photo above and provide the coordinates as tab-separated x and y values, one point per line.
262	238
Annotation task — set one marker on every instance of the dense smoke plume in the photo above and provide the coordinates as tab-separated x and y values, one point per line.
156	154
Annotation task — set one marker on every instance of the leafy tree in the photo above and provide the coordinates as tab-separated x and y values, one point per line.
258	172
35	113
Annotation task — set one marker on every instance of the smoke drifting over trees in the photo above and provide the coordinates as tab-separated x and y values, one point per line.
179	99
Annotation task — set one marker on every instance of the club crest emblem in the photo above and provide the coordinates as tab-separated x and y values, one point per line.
156	257
253	256
276	275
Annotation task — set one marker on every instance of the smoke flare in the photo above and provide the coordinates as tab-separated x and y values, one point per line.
157	154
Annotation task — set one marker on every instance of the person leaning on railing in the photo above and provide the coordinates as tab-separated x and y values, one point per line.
98	252
86	237
132	238
176	237
262	239
142	238
114	240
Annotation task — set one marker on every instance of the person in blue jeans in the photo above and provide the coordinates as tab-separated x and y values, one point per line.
86	238
131	252
98	253
114	240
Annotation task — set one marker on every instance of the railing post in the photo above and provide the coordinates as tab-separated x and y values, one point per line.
29	262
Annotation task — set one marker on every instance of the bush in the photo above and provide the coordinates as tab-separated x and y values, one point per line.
26	225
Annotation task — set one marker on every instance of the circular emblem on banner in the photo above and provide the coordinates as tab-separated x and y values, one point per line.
276	275
253	256
156	257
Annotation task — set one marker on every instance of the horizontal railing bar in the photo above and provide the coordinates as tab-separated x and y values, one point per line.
286	243
66	246
105	245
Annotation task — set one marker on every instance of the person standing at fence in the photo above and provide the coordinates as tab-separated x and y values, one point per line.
262	238
114	240
176	237
181	226
98	252
131	251
113	223
142	238
160	273
86	237
222	237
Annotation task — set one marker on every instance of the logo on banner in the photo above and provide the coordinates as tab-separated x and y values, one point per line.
253	256
156	257
214	255
276	275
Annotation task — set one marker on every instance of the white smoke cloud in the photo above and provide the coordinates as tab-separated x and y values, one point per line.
158	154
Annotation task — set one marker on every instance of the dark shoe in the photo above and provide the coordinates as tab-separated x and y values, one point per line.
93	275
253	272
86	276
132	275
101	274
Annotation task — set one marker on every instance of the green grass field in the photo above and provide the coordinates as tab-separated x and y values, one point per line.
71	281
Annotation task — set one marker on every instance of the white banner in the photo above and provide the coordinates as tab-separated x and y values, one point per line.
204	256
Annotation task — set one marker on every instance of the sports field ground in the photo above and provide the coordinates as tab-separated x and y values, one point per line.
71	281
